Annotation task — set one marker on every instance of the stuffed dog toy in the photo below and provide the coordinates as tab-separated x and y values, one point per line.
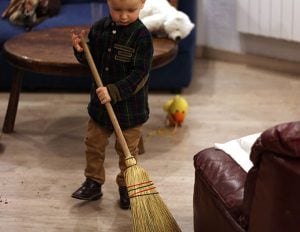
160	17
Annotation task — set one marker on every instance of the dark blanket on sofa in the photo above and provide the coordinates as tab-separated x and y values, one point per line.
29	13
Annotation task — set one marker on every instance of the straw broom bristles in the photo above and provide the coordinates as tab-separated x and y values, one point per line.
149	212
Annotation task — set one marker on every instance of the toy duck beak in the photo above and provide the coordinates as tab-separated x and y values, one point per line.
178	117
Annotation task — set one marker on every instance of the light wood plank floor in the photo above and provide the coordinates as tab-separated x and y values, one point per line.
42	163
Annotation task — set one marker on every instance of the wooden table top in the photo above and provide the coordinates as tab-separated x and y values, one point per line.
50	51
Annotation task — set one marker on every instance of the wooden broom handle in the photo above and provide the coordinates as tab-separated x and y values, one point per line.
108	106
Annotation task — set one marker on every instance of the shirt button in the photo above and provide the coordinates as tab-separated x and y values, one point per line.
109	49
114	31
106	69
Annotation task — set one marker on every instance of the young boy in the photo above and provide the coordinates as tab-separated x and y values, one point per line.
122	49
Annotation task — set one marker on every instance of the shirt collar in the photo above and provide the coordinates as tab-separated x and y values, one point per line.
109	23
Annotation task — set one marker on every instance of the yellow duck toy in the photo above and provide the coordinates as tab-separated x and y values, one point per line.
176	109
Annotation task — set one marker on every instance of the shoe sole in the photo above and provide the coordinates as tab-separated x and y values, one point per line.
92	198
125	208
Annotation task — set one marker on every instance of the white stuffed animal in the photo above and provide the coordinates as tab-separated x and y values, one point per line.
160	16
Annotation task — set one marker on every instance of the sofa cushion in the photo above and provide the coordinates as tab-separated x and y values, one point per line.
239	149
71	14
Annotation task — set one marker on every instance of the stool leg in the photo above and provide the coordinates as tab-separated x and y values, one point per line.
9	121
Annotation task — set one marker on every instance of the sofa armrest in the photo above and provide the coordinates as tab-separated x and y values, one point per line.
272	188
276	203
282	140
218	191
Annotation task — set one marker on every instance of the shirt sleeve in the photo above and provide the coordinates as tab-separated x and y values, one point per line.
80	56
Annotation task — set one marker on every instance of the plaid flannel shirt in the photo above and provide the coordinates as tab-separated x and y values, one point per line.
123	57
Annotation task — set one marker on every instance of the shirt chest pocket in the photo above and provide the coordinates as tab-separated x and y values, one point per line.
123	53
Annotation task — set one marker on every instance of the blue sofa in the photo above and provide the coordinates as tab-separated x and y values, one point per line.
172	77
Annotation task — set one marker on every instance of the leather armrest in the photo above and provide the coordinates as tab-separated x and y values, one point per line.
276	202
272	188
223	177
282	140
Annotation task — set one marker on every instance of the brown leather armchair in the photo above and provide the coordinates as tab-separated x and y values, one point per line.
266	199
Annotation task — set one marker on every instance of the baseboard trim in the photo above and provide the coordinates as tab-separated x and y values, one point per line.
275	64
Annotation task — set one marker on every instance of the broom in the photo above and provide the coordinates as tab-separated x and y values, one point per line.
149	212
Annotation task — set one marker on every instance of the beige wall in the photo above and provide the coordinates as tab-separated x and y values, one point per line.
216	29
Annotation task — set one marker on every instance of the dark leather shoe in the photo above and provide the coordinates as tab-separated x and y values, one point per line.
90	191
124	199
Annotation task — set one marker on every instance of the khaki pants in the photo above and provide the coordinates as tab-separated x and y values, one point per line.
96	141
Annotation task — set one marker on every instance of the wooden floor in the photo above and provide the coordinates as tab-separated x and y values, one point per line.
42	163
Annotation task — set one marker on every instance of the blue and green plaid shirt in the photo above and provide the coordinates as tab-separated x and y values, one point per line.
123	56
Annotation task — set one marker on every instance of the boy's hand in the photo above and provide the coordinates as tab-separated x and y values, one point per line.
103	95
76	41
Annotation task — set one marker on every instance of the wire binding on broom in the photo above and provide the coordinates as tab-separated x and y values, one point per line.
141	188
130	161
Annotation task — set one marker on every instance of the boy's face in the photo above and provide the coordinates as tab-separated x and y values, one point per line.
124	12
